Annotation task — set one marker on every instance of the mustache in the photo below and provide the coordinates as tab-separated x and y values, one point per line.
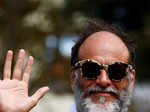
94	89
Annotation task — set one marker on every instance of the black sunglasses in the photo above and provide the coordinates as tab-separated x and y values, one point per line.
91	69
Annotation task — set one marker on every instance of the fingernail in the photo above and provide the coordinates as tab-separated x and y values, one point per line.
31	57
22	50
10	51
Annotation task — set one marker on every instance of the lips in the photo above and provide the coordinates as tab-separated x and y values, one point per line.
103	93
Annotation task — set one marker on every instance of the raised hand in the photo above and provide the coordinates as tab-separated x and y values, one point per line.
14	87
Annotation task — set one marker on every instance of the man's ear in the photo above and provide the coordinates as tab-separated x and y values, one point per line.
133	79
72	77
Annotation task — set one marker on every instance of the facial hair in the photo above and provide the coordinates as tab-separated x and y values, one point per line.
85	104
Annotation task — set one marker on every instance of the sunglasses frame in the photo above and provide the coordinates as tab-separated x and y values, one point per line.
105	67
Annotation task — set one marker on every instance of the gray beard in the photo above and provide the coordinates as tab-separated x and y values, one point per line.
85	104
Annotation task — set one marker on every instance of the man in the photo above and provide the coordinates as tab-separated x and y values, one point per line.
102	74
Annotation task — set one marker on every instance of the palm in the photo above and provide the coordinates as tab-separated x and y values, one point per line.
14	92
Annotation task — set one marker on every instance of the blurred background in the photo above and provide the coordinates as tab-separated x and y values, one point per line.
47	29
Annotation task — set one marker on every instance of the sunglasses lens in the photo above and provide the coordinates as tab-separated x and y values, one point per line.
117	71
90	70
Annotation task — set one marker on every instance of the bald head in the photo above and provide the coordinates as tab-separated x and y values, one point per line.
105	47
108	34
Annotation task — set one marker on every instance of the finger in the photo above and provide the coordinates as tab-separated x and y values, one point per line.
28	68
38	95
19	65
7	66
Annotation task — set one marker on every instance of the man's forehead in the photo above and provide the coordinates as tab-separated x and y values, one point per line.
105	46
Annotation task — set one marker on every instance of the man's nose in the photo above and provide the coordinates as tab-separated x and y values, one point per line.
103	79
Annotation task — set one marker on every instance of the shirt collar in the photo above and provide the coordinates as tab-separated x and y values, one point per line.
73	108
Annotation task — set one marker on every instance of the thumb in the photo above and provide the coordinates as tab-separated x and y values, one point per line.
38	95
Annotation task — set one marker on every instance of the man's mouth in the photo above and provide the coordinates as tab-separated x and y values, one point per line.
102	93
105	92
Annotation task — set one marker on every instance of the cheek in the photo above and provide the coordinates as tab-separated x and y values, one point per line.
83	83
121	86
